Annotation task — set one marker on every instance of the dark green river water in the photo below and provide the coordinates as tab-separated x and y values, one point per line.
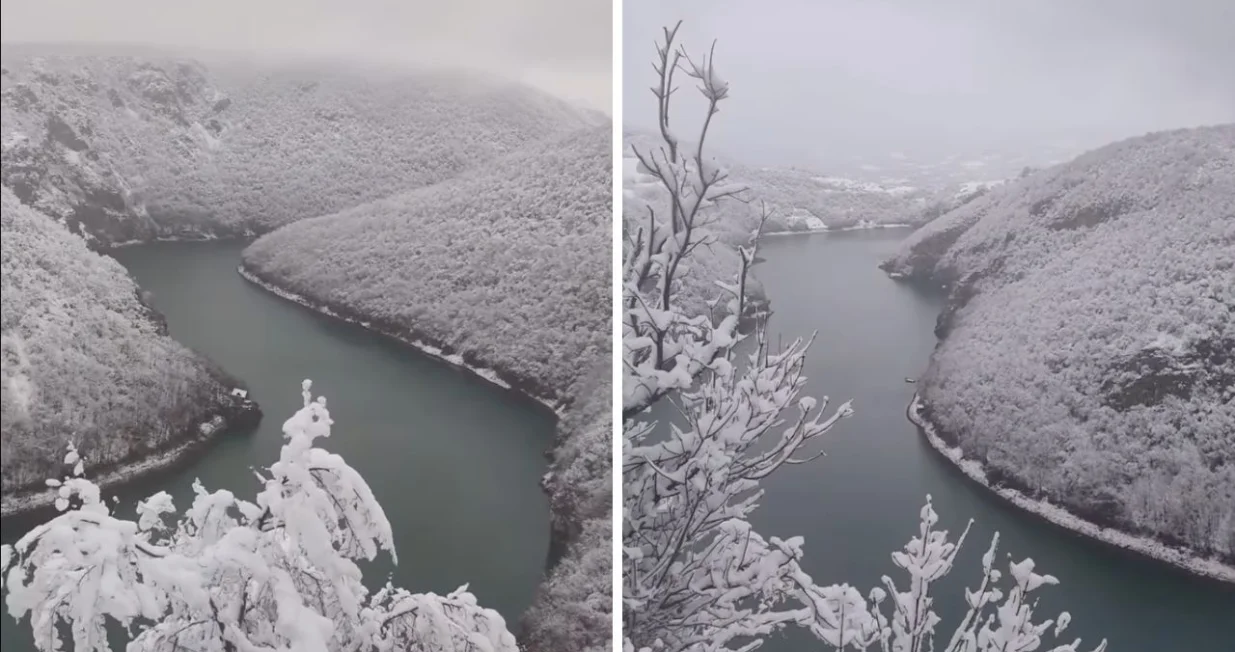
861	502
454	461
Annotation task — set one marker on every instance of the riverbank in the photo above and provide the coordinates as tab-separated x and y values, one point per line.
421	344
538	629
1058	515
861	226
243	413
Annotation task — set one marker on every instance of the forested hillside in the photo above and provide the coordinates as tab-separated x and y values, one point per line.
84	360
460	211
803	199
572	610
126	148
1088	351
506	265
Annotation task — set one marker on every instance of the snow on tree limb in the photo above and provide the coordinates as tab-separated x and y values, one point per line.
696	575
277	573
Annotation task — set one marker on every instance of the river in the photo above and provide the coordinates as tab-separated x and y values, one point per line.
861	501
455	461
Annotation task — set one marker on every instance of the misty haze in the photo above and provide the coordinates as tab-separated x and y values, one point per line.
1000	237
231	230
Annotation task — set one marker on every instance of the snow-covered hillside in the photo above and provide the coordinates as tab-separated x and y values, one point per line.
801	199
505	269
128	148
572	610
506	266
1088	351
805	200
84	359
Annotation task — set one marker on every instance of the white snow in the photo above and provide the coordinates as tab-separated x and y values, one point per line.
431	350
1059	516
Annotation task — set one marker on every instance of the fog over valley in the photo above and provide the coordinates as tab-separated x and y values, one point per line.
561	46
837	85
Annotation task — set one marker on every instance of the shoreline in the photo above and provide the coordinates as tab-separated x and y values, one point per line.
1057	515
559	537
454	359
26	502
857	227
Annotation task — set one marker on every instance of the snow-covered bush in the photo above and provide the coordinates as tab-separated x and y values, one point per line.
278	572
696	575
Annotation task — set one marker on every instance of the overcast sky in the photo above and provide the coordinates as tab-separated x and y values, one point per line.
814	79
563	46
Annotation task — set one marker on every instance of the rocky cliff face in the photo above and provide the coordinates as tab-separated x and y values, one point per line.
1088	344
76	130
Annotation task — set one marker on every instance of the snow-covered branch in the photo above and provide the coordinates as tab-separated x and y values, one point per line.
696	575
231	575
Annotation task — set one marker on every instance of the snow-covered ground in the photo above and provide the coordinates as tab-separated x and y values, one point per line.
1060	516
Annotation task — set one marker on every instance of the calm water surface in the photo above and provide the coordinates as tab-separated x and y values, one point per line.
454	461
861	501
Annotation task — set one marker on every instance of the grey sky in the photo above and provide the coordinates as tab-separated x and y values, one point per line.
563	46
815	80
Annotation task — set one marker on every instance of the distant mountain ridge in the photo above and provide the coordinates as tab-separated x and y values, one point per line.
124	148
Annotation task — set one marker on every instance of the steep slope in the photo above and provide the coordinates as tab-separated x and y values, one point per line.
84	359
504	269
505	266
126	148
572	610
1088	351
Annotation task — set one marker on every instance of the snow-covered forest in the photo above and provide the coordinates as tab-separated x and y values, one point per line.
1088	351
128	148
573	610
84	359
463	211
504	265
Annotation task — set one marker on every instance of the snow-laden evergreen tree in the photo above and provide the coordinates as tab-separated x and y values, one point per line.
696	575
277	573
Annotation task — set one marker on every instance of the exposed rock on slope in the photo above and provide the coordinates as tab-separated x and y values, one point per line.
1088	352
84	358
133	148
505	266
